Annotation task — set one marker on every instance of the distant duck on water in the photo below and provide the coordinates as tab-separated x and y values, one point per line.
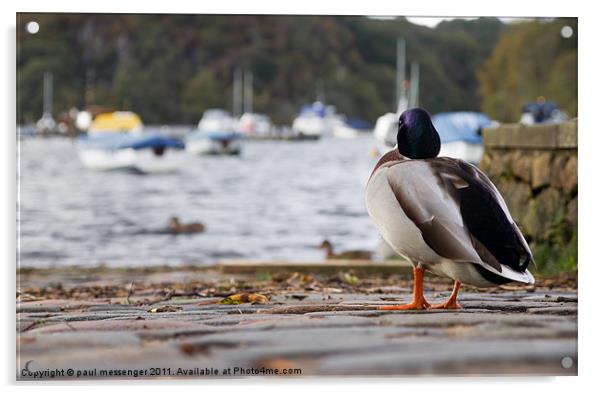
348	255
444	215
175	227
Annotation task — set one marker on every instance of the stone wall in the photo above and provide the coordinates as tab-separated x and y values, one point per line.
535	169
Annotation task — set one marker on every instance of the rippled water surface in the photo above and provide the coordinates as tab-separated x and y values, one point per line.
278	200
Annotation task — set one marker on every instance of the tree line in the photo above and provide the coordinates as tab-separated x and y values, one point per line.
170	68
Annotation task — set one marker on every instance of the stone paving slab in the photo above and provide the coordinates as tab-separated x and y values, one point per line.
305	332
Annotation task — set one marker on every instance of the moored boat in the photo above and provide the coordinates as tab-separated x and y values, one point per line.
460	134
216	134
141	152
115	141
385	132
214	142
116	122
255	125
314	121
542	111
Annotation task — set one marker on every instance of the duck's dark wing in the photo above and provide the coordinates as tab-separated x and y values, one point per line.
484	213
460	215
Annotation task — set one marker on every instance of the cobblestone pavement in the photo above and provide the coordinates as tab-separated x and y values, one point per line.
300	331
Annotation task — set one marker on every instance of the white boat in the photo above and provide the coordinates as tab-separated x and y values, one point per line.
351	128
214	142
541	112
46	124
385	132
460	134
345	132
255	125
216	134
141	152
315	120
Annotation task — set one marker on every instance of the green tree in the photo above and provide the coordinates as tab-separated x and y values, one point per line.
169	68
531	59
203	92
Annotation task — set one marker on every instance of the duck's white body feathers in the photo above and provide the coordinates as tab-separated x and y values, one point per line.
416	206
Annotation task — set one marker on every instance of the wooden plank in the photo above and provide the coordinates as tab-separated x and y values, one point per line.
316	267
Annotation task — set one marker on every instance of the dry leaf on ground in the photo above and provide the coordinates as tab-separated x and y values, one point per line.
165	308
243	298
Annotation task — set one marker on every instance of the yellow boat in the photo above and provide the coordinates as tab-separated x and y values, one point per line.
119	121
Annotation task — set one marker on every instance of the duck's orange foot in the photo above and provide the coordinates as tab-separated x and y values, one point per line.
451	302
413	306
446	305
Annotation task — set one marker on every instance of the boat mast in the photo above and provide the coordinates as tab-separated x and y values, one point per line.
414	84
47	95
237	92
248	91
400	91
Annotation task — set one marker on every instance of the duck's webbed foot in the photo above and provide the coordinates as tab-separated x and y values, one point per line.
419	302
446	305
452	302
414	305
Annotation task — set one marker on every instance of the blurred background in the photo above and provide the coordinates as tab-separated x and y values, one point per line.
187	139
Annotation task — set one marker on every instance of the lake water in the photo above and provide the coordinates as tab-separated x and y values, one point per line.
277	201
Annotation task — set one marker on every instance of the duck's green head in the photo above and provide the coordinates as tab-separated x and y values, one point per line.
417	138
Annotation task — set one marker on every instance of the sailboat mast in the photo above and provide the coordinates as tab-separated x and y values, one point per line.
248	91
47	94
237	92
414	84
401	71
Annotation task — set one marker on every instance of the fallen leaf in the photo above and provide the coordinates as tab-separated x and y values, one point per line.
332	290
205	348
242	298
165	308
24	297
350	279
276	363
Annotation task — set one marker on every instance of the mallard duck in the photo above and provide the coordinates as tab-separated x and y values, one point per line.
348	255
444	215
175	227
